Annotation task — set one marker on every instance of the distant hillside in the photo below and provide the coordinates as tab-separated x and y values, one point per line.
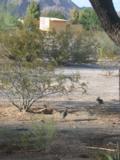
21	5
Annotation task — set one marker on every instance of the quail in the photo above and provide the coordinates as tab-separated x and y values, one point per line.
65	113
99	100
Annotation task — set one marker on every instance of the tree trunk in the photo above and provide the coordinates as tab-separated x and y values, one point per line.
108	17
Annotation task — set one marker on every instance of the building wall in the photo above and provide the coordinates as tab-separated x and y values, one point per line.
44	24
50	24
58	26
76	28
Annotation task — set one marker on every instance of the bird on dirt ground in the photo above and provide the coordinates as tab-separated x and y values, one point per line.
65	113
99	100
45	106
47	110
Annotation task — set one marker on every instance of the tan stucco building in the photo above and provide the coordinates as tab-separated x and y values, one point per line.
50	24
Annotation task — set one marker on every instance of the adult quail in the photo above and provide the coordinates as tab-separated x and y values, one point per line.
99	100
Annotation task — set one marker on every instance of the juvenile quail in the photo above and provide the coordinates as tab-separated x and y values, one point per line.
65	113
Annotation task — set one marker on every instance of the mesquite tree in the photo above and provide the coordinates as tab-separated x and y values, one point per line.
108	17
25	86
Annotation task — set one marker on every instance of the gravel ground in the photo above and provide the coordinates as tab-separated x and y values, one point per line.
87	123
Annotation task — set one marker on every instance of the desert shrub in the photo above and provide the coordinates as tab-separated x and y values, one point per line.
106	49
21	43
66	47
111	156
33	10
58	48
37	137
24	86
89	19
74	16
83	48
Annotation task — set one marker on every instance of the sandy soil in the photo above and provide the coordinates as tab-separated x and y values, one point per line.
87	124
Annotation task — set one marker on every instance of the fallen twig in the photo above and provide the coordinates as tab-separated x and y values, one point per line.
78	120
102	149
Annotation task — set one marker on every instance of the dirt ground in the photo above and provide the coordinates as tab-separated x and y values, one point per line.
87	124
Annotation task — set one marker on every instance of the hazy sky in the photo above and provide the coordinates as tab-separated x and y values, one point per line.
85	3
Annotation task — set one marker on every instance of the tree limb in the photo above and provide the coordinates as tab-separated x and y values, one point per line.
108	17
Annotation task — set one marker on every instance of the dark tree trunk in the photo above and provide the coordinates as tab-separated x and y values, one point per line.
108	17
